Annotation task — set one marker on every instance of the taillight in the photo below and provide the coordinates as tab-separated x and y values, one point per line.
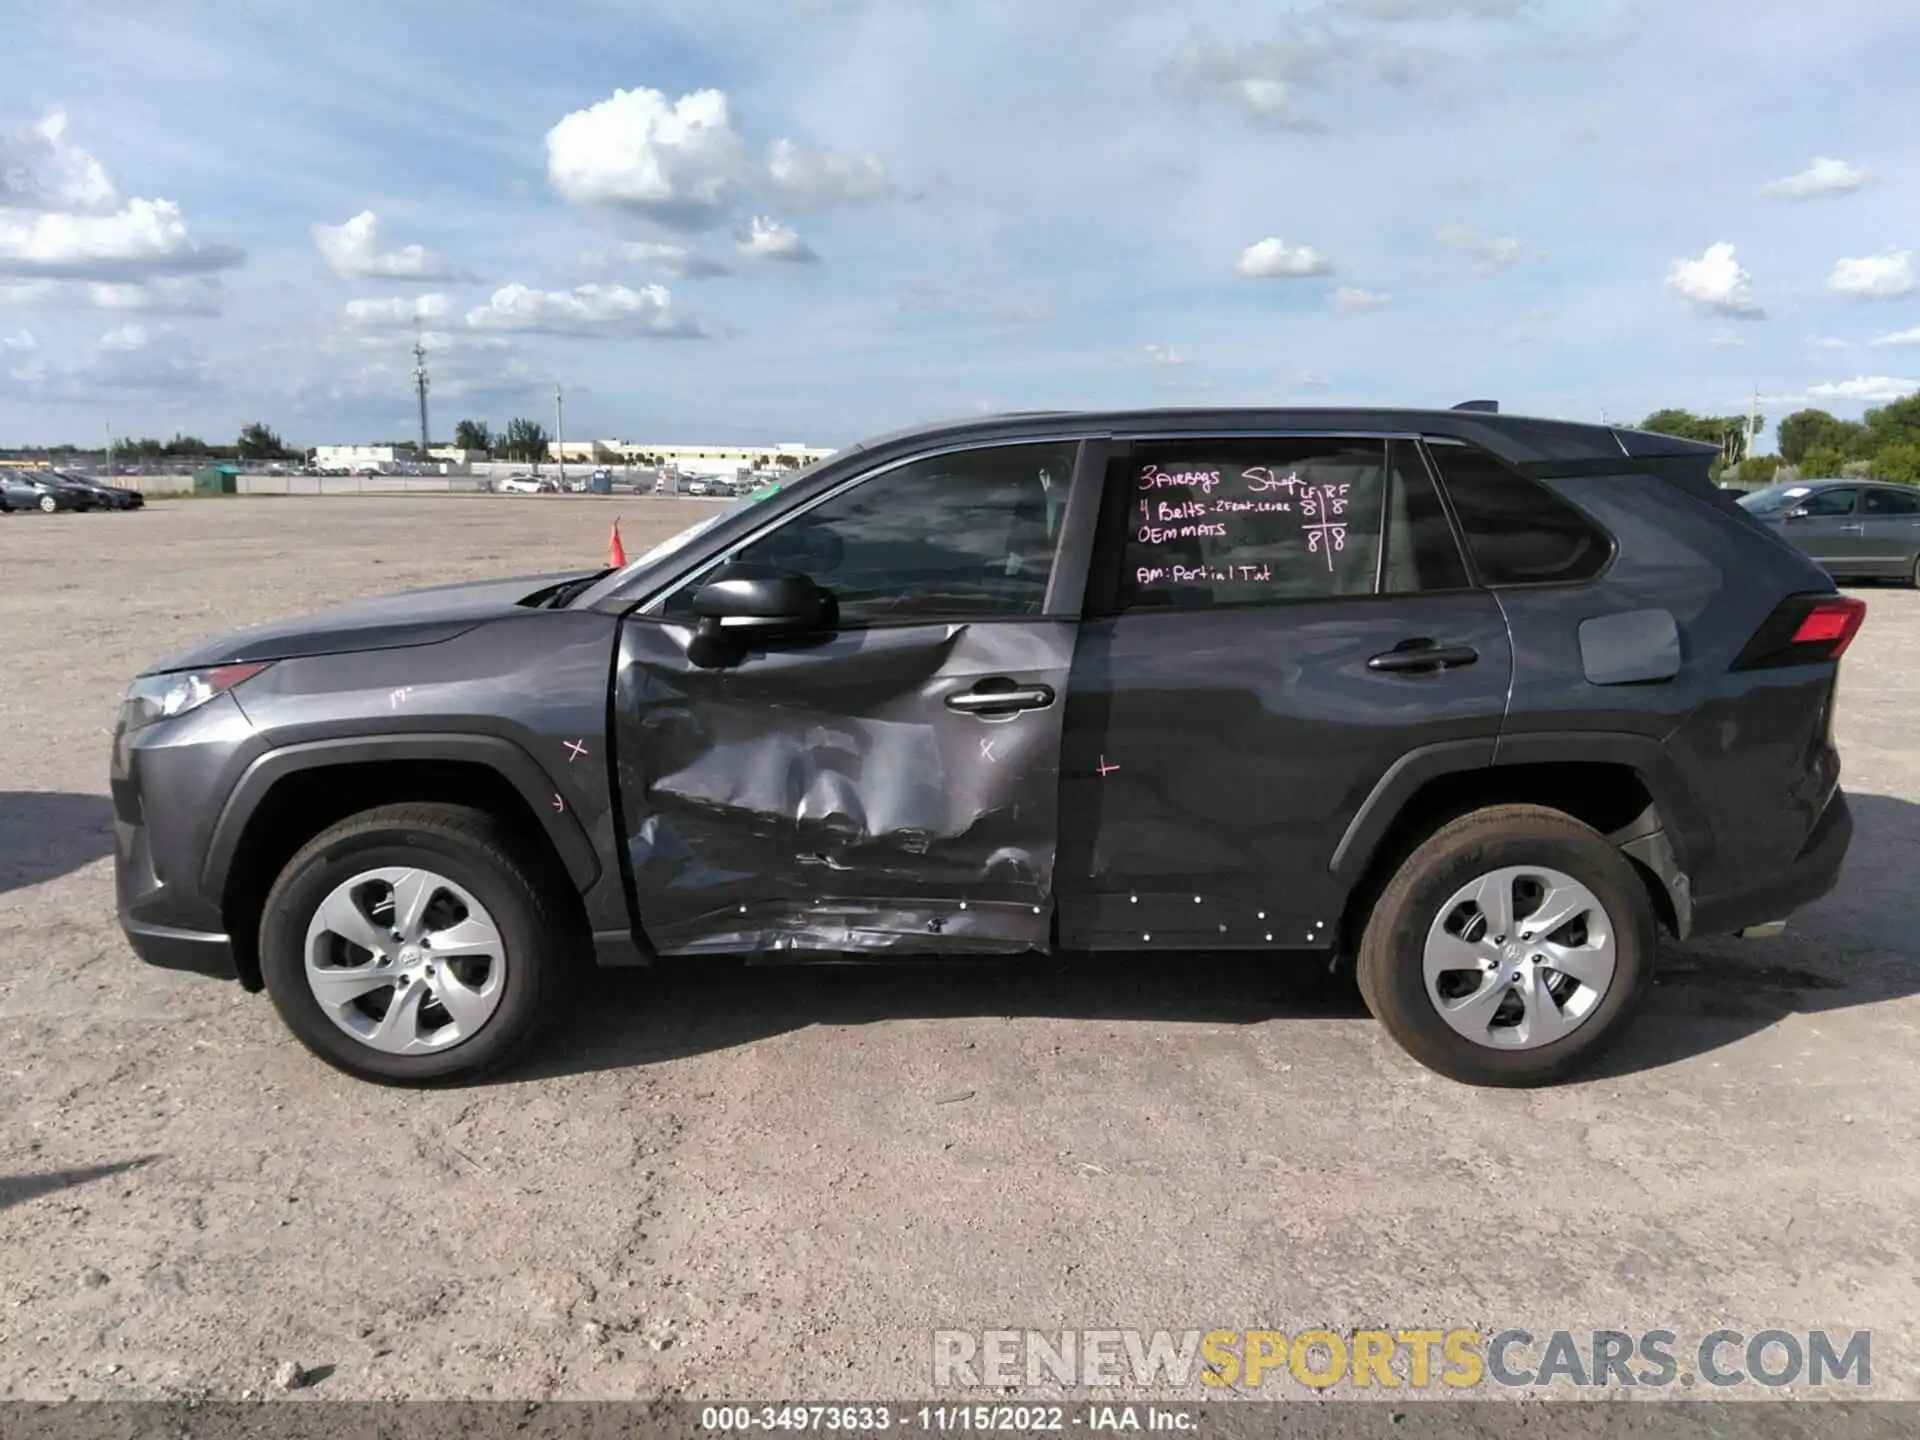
1804	630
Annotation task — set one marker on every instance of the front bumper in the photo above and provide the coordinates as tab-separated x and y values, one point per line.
1814	872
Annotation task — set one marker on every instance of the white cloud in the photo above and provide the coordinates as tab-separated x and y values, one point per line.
1865	389
352	251
1874	277
1898	337
587	310
41	170
813	179
680	161
1716	282
766	239
1273	258
126	337
1726	340
1354	298
1826	342
684	163
19	341
1822	178
145	237
673	259
165	294
1488	252
1161	355
398	310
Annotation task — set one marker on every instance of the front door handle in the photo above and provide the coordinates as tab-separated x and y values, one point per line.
986	701
1852	529
1413	657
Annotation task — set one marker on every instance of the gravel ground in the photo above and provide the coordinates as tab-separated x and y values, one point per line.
725	1183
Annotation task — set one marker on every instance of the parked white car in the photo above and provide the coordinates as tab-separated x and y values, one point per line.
524	485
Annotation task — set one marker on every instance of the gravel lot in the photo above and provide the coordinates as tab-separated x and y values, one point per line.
734	1184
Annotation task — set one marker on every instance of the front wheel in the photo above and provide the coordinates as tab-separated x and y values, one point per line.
48	504
413	944
1509	948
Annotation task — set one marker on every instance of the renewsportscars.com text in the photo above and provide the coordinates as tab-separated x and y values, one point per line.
1454	1359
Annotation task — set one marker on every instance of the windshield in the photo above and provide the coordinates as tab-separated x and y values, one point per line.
1774	500
695	531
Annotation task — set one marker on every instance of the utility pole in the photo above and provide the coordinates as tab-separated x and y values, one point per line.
560	432
420	384
1753	423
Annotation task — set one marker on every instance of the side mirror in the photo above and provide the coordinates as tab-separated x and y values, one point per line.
751	602
1799	512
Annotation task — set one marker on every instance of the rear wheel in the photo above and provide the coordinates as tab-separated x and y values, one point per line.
1509	948
48	504
413	944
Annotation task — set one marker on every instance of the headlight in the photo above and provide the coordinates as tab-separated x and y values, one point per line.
161	697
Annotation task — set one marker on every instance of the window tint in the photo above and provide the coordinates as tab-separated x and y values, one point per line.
1421	551
1829	502
1891	502
1519	532
967	534
1248	522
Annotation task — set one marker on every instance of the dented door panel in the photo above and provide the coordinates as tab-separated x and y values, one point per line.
827	798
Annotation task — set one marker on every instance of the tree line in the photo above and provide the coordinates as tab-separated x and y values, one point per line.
1884	444
523	440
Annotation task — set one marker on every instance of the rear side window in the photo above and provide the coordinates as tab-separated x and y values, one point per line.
1421	553
1518	532
1242	522
1891	502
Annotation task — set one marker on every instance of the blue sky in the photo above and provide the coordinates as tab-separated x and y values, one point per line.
755	221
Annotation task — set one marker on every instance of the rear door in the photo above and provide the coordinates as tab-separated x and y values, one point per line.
1272	624
892	784
1890	529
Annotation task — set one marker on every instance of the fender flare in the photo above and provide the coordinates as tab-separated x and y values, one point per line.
1667	840
503	757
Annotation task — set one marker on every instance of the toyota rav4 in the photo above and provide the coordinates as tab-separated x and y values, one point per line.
1473	703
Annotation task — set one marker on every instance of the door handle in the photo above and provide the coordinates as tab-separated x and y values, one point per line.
1852	529
990	702
1412	657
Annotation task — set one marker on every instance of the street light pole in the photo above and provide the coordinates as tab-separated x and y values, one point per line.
560	432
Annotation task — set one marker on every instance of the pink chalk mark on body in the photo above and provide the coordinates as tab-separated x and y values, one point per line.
1106	769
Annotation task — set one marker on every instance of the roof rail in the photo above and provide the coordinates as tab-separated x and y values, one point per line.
1485	407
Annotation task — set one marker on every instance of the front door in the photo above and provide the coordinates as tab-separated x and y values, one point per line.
892	784
1829	532
1271	625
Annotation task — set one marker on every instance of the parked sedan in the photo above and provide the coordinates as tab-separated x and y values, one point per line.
1853	529
29	491
107	497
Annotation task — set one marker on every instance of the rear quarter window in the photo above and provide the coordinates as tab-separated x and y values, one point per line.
1517	531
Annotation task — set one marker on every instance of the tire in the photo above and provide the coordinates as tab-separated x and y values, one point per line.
1913	575
1423	899
463	850
48	504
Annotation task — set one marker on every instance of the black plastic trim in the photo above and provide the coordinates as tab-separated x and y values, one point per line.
504	757
1391	793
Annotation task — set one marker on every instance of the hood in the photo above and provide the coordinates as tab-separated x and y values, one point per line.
388	622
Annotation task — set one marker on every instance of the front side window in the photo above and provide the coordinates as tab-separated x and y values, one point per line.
970	534
1239	522
1827	503
1519	532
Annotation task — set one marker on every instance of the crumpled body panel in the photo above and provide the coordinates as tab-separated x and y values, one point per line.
826	798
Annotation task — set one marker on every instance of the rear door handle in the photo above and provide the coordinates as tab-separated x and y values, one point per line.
1001	702
1413	657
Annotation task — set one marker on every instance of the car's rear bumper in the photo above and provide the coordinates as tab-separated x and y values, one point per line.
1813	873
191	950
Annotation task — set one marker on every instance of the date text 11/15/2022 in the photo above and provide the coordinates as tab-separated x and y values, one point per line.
1201	514
948	1419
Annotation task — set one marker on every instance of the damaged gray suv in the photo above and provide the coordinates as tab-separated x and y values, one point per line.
1476	704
